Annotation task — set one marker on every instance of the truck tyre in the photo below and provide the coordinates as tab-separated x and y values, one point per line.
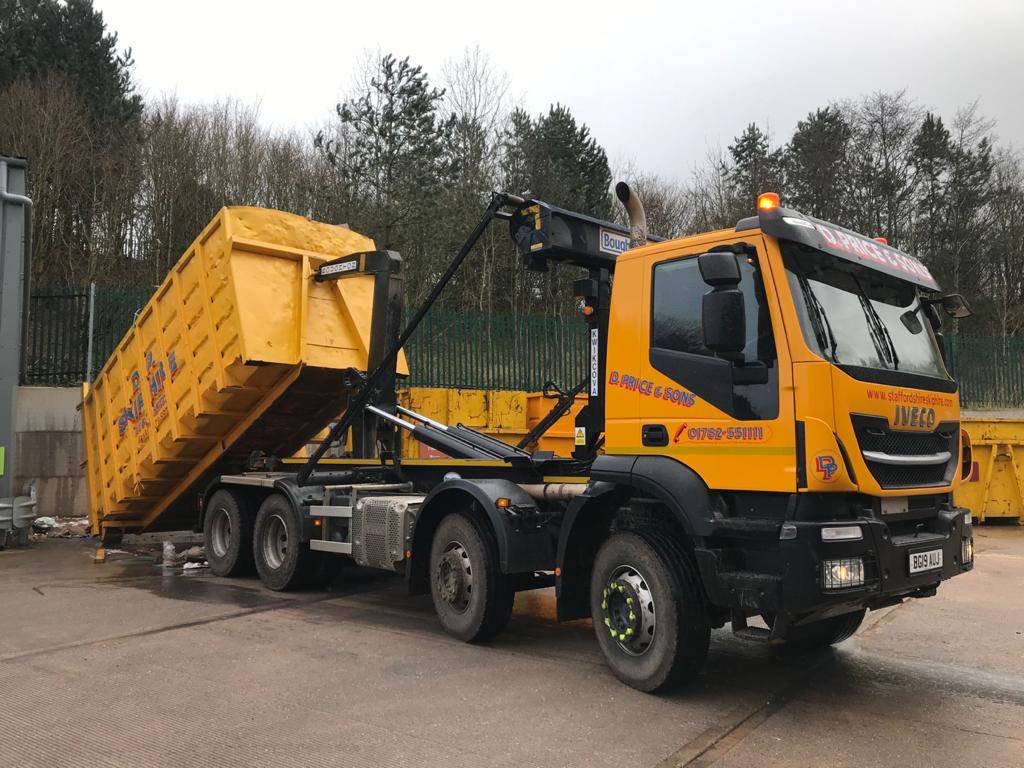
821	634
472	598
283	560
649	614
227	534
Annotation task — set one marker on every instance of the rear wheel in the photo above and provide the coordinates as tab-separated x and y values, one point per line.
649	617
227	534
283	560
472	598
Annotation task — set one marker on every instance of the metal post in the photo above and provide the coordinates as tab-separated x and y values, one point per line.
92	315
15	249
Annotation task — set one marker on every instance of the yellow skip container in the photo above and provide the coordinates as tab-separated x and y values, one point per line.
995	489
238	350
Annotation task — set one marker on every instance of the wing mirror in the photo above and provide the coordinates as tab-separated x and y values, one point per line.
723	316
955	305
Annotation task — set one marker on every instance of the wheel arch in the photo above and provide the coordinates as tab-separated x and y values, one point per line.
477	499
589	518
584	527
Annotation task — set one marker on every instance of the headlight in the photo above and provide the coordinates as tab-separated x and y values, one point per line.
967	551
842	574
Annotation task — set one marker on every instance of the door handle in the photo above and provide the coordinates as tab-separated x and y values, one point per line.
654	435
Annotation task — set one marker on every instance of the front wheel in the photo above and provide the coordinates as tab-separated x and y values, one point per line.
649	617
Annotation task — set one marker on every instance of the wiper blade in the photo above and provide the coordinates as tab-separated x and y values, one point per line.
822	333
879	333
888	340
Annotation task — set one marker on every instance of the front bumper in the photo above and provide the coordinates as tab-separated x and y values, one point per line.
789	581
886	555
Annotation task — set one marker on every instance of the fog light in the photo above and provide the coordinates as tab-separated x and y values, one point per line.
842	574
842	533
967	551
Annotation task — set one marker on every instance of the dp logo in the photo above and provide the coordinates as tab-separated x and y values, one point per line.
826	466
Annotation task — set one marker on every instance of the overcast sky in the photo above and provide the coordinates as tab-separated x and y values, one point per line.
657	88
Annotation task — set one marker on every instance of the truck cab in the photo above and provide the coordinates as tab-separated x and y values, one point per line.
781	388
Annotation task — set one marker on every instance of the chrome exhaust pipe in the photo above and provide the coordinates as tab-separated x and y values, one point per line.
635	210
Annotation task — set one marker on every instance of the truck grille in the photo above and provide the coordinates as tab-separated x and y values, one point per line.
875	437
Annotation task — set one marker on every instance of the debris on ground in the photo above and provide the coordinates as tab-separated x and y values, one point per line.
194	566
186	557
43	524
61	527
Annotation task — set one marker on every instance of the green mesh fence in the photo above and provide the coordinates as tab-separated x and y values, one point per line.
467	350
56	351
990	370
479	351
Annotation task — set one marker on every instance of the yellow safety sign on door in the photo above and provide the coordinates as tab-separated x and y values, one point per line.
580	437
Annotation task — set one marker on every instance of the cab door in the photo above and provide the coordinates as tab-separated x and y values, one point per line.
730	422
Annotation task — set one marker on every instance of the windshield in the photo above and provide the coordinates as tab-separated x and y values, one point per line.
853	315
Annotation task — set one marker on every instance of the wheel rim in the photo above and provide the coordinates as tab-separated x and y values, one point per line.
453	577
220	531
628	610
275	542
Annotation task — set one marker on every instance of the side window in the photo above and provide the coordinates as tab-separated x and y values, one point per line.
677	339
675	322
676	310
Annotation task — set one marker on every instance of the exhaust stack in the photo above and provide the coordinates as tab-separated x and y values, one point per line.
637	217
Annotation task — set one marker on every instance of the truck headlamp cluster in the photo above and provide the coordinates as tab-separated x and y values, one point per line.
967	550
842	574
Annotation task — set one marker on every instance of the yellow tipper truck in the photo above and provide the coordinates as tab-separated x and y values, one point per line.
770	431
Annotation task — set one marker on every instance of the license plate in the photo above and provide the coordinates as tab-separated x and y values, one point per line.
925	561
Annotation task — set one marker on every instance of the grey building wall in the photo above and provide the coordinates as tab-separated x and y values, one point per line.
48	435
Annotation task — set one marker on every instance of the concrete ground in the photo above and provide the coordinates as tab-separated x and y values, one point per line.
128	664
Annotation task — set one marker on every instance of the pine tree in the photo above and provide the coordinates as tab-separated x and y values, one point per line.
558	160
931	159
394	159
43	37
755	168
817	165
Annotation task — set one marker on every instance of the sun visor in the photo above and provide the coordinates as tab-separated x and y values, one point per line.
837	241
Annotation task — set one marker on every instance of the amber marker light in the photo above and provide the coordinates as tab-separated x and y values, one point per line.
882	240
767	200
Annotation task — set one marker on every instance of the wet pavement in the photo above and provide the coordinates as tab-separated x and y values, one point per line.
130	664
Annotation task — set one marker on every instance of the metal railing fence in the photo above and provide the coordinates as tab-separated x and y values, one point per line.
71	333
